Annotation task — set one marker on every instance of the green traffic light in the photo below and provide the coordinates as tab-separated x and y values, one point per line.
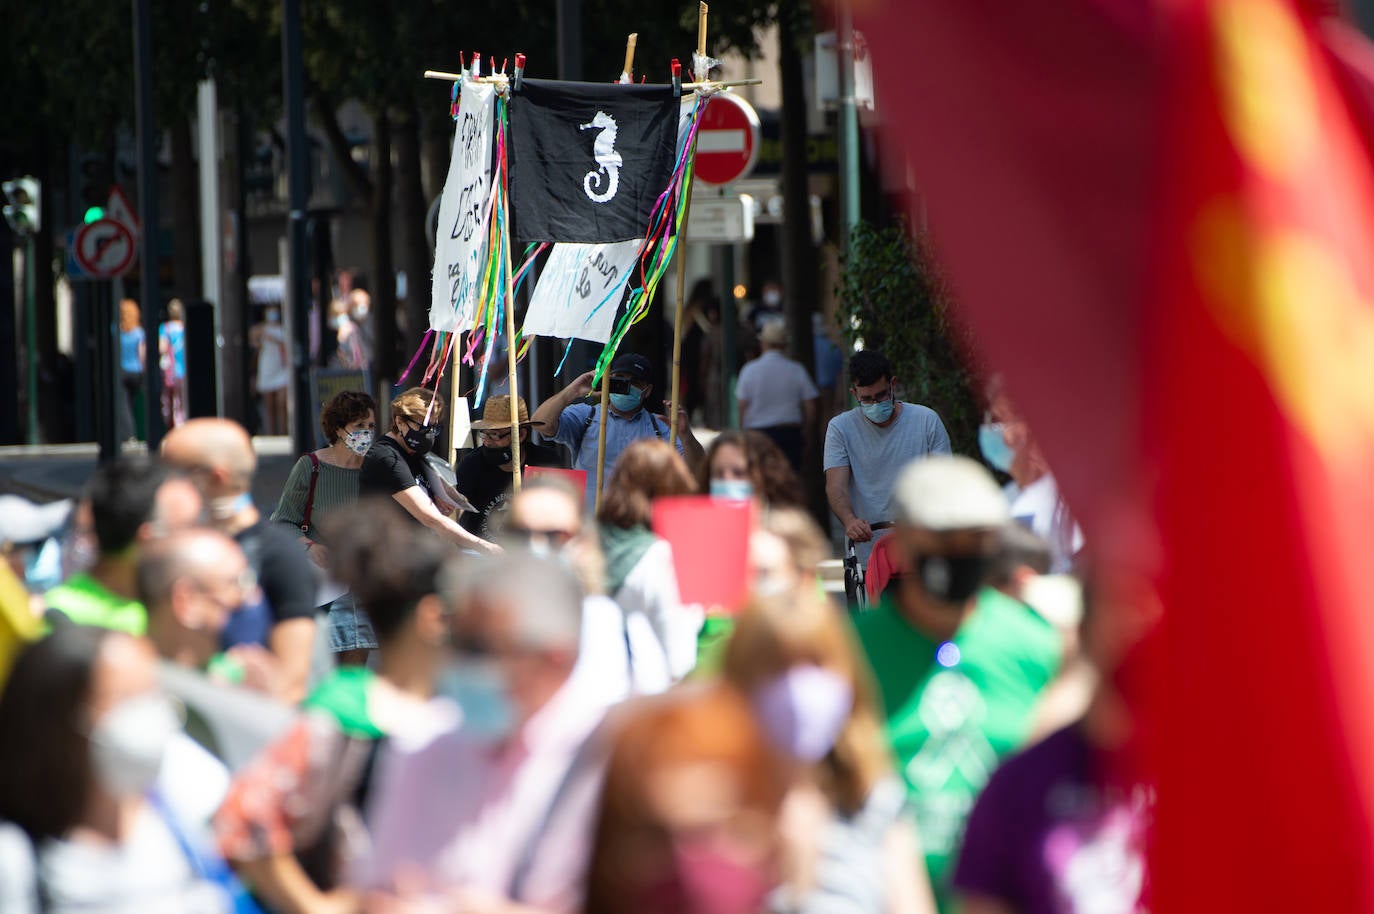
94	214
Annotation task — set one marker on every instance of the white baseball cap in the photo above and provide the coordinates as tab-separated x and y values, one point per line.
23	522
949	492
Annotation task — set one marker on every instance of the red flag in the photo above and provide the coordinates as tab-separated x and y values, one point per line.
1160	223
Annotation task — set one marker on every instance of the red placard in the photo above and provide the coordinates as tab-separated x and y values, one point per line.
710	540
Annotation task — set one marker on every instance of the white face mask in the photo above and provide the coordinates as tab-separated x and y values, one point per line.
358	442
128	743
228	506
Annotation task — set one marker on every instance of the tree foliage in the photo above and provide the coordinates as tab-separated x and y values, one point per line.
893	297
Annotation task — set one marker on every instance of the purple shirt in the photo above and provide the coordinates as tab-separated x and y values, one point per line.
453	812
1047	836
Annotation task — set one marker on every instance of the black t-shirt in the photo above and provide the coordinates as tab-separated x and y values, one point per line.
286	580
487	486
388	469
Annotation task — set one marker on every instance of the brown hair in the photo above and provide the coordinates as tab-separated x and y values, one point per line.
414	405
646	470
691	729
176	311
804	628
774	480
344	407
129	315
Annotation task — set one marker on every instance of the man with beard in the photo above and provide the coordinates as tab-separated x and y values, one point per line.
484	476
959	665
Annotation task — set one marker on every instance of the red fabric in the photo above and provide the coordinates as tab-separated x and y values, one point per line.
884	563
1207	412
710	540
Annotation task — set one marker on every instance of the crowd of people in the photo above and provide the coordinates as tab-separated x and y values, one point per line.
418	688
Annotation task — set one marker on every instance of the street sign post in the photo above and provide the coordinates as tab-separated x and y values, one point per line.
728	143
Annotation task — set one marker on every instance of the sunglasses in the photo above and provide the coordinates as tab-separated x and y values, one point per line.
621	385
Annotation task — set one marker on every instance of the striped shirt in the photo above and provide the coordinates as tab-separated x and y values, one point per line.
336	487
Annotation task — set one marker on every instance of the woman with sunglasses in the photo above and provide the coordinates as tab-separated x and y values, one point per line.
395	467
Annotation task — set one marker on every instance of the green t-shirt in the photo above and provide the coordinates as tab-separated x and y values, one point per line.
343	696
953	712
86	601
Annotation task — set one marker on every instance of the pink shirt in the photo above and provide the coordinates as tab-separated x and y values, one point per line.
454	812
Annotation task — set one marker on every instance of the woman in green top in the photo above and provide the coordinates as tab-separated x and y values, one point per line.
319	485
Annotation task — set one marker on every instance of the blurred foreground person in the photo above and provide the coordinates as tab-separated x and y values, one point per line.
294	819
639	564
960	666
30	540
218	455
494	812
320	484
1062	827
689	816
131	500
618	652
86	732
850	837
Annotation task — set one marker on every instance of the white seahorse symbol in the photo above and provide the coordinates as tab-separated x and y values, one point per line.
606	181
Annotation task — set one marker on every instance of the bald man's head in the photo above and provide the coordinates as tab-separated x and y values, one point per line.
191	584
217	452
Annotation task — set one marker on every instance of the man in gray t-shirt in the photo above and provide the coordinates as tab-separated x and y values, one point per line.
866	447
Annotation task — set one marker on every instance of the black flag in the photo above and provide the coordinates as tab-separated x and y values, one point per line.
589	160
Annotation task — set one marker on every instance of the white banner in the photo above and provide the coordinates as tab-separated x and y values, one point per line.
461	237
580	289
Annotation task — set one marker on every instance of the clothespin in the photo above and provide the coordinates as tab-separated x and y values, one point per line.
677	76
519	71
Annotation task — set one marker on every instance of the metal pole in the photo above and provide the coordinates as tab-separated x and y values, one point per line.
207	113
297	290
31	335
148	215
849	127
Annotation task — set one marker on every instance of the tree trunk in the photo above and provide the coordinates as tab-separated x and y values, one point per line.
383	268
799	260
416	258
186	275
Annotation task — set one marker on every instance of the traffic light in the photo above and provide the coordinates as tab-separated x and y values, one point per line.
96	180
22	205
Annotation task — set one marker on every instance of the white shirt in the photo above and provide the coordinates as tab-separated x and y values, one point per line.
1040	508
774	386
650	592
619	655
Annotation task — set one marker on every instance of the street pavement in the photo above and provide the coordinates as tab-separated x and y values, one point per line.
53	471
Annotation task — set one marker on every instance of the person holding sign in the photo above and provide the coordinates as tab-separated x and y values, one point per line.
577	425
484	476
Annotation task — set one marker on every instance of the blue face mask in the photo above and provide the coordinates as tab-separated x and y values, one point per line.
879	412
735	489
994	447
479	688
628	402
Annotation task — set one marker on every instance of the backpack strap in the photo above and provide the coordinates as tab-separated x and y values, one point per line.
310	495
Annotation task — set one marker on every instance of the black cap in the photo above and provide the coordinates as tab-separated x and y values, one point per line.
635	365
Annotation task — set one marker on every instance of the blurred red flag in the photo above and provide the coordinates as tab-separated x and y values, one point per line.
1160	222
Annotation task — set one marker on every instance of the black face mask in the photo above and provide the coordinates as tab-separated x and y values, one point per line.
495	456
952	578
421	440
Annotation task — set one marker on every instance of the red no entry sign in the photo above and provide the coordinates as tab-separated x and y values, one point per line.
728	144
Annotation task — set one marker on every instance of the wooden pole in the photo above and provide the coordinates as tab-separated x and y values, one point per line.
682	252
629	71
454	392
516	474
601	435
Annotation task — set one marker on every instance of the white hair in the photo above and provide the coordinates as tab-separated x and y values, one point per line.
543	596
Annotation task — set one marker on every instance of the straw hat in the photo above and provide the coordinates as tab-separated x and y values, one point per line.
496	414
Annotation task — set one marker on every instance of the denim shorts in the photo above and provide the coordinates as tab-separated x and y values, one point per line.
349	627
